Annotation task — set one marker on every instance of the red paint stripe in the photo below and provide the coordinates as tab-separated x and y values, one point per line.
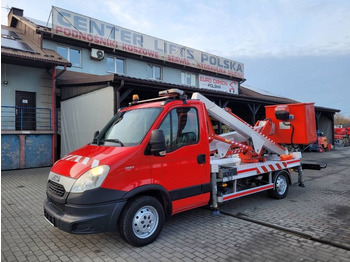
279	166
294	161
265	169
251	191
272	167
246	170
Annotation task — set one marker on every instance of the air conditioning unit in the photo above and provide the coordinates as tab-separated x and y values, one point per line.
97	54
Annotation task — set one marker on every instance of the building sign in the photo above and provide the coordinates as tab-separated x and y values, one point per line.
218	84
83	28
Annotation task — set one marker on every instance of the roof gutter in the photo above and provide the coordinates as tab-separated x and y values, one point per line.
53	116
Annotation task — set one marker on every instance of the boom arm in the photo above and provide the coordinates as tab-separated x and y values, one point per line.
259	140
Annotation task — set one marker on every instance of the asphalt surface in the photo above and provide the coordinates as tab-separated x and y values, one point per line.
310	224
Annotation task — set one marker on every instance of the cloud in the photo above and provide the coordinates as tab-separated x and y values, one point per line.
233	29
289	47
319	79
288	28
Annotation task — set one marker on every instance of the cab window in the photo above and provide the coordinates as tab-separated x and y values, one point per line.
180	128
128	128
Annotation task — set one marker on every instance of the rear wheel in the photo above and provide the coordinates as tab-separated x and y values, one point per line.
281	185
141	221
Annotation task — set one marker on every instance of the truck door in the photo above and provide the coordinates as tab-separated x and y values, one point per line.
185	170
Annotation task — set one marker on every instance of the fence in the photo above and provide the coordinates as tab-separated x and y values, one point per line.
25	118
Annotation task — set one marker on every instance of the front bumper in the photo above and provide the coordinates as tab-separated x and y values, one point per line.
84	219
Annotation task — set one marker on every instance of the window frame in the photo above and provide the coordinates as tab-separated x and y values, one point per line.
152	67
184	78
171	147
68	54
115	59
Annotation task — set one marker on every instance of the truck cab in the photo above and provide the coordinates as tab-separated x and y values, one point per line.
161	156
149	162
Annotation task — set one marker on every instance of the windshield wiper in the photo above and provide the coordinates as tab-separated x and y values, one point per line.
114	140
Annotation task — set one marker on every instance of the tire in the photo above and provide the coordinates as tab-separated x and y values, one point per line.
281	185
141	221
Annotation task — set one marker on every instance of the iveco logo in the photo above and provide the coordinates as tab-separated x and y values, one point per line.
55	178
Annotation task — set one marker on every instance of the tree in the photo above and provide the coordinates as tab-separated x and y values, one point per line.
340	119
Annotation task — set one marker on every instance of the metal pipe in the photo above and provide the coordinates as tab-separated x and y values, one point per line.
53	116
54	76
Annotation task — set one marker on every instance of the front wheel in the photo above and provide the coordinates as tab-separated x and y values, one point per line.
281	185
142	221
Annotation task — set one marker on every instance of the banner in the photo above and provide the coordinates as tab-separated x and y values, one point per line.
218	84
83	28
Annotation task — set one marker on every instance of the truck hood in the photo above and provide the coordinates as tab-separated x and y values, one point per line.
78	162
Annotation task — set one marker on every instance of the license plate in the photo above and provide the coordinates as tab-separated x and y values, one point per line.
49	218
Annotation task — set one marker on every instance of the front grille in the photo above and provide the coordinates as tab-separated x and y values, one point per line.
56	188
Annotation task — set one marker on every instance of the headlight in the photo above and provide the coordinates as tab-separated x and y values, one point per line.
90	179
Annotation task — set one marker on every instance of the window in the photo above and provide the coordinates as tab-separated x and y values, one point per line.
115	65
128	128
154	72
71	54
188	79
180	128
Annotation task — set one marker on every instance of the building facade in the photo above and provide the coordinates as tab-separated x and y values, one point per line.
27	95
102	65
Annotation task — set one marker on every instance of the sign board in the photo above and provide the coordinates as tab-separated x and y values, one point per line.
83	28
218	84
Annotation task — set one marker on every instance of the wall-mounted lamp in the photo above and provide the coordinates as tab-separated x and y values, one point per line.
5	76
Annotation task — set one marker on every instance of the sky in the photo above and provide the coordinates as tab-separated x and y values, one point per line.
298	49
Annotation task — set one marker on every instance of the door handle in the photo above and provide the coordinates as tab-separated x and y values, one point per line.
201	159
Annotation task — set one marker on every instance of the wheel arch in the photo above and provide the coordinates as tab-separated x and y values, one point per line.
285	171
281	186
157	191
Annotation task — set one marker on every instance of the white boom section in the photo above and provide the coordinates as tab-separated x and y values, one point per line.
259	140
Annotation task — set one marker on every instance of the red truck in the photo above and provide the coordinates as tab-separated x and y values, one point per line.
341	135
161	156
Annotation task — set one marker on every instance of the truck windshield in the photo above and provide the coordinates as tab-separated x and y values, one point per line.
128	128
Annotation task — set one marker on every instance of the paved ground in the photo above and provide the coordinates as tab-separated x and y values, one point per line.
311	224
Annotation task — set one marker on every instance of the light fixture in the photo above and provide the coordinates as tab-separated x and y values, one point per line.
5	81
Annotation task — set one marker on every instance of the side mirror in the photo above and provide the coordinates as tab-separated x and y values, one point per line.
157	143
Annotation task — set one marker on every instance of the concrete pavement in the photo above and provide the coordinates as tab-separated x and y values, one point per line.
310	224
